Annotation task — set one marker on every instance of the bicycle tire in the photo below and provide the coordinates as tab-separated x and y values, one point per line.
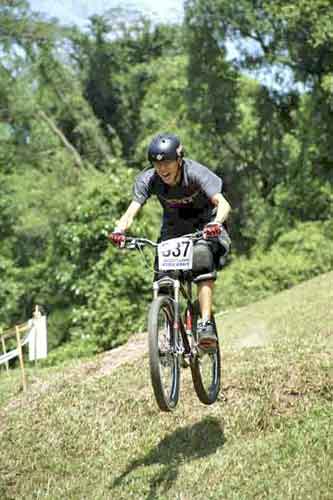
163	355
206	390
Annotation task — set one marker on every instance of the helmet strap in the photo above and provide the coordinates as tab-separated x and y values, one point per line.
179	171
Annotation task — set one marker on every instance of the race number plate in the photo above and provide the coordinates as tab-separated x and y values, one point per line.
176	253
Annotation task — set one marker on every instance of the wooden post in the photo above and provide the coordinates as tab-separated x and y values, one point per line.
36	315
19	347
4	351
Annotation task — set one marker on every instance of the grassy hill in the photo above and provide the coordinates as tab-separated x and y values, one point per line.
80	435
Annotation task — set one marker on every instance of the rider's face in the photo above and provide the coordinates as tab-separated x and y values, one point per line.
168	170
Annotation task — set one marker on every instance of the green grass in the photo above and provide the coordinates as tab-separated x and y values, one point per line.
76	436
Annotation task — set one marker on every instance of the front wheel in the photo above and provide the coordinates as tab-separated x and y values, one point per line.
163	359
206	373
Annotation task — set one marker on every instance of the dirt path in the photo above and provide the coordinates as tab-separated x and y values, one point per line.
134	349
103	364
137	346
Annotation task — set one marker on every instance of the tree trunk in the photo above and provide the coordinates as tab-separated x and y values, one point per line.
77	158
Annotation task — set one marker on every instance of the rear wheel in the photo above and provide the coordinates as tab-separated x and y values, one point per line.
206	371
163	359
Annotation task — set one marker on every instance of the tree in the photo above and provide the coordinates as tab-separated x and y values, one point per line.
277	141
114	61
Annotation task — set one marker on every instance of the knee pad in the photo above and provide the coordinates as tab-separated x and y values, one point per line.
203	261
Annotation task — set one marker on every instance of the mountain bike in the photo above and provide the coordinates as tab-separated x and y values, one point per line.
172	325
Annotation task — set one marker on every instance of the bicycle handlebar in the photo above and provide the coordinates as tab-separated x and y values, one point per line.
135	243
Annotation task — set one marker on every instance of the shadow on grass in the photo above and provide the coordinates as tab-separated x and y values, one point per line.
183	445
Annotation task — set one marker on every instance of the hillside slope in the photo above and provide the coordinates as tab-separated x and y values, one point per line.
89	431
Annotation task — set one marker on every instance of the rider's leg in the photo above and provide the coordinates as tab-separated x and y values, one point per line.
205	296
205	327
204	275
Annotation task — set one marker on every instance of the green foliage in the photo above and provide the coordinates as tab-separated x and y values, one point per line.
277	154
10	291
164	106
297	255
79	348
212	81
115	69
72	112
117	295
107	289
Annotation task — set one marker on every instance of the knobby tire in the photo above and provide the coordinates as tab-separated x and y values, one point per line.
207	391
166	394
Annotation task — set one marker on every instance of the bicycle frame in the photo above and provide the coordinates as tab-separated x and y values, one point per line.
183	287
178	325
182	349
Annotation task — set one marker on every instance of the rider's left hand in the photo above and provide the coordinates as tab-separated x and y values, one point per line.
212	230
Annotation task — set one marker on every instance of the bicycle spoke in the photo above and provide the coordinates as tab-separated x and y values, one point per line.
166	356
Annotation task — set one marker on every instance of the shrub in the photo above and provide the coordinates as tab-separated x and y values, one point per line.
107	289
298	255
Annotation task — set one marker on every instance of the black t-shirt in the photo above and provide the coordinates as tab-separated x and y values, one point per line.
186	206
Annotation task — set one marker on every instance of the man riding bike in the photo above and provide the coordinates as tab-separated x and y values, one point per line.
191	198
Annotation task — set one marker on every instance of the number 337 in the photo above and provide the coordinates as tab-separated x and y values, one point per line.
180	249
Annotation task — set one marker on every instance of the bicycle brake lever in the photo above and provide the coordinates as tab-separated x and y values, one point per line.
131	245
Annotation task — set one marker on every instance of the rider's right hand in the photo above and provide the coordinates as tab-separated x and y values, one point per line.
117	238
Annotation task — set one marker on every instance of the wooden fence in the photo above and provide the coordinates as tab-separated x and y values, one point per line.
30	331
